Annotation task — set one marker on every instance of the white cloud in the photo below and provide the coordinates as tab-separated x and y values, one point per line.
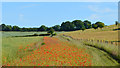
94	17
97	9
107	19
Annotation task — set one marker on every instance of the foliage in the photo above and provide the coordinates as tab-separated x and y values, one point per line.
94	26
116	23
65	26
55	33
83	28
35	34
43	43
87	24
56	27
51	31
100	24
78	24
16	28
42	28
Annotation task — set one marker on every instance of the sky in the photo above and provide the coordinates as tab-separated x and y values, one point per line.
59	0
35	14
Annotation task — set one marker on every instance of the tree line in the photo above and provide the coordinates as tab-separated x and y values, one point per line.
65	26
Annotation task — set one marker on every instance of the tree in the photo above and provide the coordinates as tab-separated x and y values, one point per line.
15	28
67	26
3	27
51	31
78	24
48	28
116	23
56	27
87	24
42	28
83	28
8	28
94	26
0	27
23	29
100	24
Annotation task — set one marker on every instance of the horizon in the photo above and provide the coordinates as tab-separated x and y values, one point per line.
35	14
49	26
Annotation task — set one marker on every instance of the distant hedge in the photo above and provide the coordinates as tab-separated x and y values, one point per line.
33	35
65	26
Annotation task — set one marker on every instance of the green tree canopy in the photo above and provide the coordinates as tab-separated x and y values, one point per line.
16	28
8	28
23	29
100	24
94	26
78	24
51	31
56	27
67	26
87	24
116	22
42	28
3	27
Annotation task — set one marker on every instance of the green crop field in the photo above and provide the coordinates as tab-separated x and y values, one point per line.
20	49
9	34
11	44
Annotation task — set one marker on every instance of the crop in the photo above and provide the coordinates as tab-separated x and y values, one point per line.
53	53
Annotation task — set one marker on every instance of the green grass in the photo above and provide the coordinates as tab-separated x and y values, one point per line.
10	46
109	48
10	33
100	58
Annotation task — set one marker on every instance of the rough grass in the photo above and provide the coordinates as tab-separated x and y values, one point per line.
107	33
112	50
10	46
100	58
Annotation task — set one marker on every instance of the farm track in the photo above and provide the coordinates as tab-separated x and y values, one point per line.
110	56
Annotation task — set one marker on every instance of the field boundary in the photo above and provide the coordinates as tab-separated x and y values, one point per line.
115	57
92	40
110	54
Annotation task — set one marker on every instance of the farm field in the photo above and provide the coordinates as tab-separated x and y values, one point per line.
11	44
107	33
55	51
56	34
9	34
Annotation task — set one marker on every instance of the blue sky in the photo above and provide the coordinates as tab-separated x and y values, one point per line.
35	14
